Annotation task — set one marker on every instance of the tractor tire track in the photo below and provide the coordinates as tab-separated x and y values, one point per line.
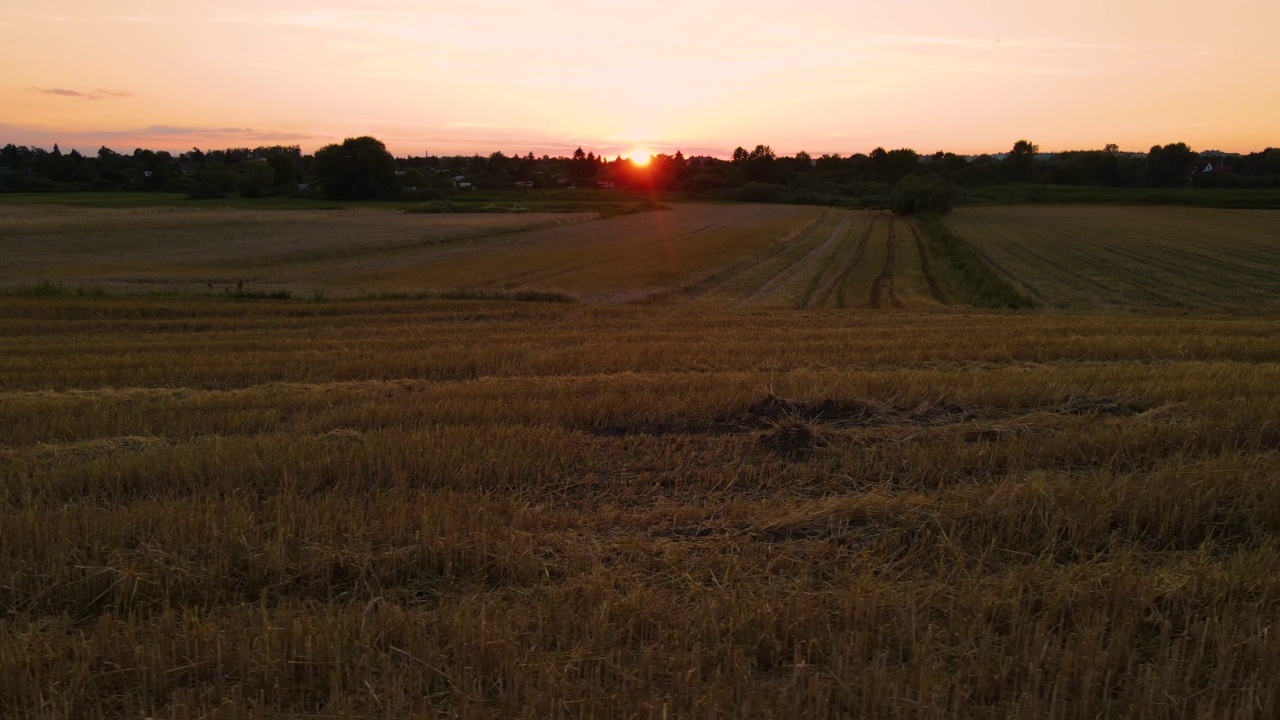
935	288
882	288
839	252
1008	245
723	276
545	273
842	292
852	256
788	273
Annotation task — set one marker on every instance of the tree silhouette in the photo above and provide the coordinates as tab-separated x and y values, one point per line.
1171	165
1021	163
358	169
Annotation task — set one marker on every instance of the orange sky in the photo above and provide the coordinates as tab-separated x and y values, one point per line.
467	76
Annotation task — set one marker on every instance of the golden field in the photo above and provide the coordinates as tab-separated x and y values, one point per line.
780	469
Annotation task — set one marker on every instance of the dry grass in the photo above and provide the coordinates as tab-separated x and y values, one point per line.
615	260
168	249
1083	258
485	509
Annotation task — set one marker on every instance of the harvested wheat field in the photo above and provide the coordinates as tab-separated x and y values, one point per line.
1125	257
193	250
783	468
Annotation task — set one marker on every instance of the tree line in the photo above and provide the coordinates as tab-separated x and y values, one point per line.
362	168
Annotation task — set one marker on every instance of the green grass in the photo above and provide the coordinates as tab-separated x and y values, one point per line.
964	273
1132	257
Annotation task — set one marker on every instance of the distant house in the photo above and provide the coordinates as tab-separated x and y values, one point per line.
605	184
1214	166
524	184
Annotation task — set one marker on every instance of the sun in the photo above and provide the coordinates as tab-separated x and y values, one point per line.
640	157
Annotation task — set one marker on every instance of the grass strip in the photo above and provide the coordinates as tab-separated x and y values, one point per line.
965	273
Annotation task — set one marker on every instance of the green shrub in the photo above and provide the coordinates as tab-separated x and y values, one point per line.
914	194
180	184
759	192
965	273
204	191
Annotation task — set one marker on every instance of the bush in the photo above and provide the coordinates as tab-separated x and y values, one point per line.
702	182
204	191
180	184
759	192
221	180
863	189
914	194
433	207
256	181
422	193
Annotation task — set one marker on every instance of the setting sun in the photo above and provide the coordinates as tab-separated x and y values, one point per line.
641	158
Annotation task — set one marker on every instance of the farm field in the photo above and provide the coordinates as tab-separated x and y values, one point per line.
773	465
488	509
345	252
614	260
1110	258
1133	257
740	255
187	250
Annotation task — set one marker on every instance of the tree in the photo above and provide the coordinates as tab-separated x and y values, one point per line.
1025	148
1171	165
257	180
761	165
893	165
582	168
413	179
1021	163
358	169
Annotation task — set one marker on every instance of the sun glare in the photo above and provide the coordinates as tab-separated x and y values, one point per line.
640	158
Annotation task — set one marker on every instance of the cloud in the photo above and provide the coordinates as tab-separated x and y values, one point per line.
237	133
156	137
98	94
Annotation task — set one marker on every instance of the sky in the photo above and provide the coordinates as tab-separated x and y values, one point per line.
621	77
